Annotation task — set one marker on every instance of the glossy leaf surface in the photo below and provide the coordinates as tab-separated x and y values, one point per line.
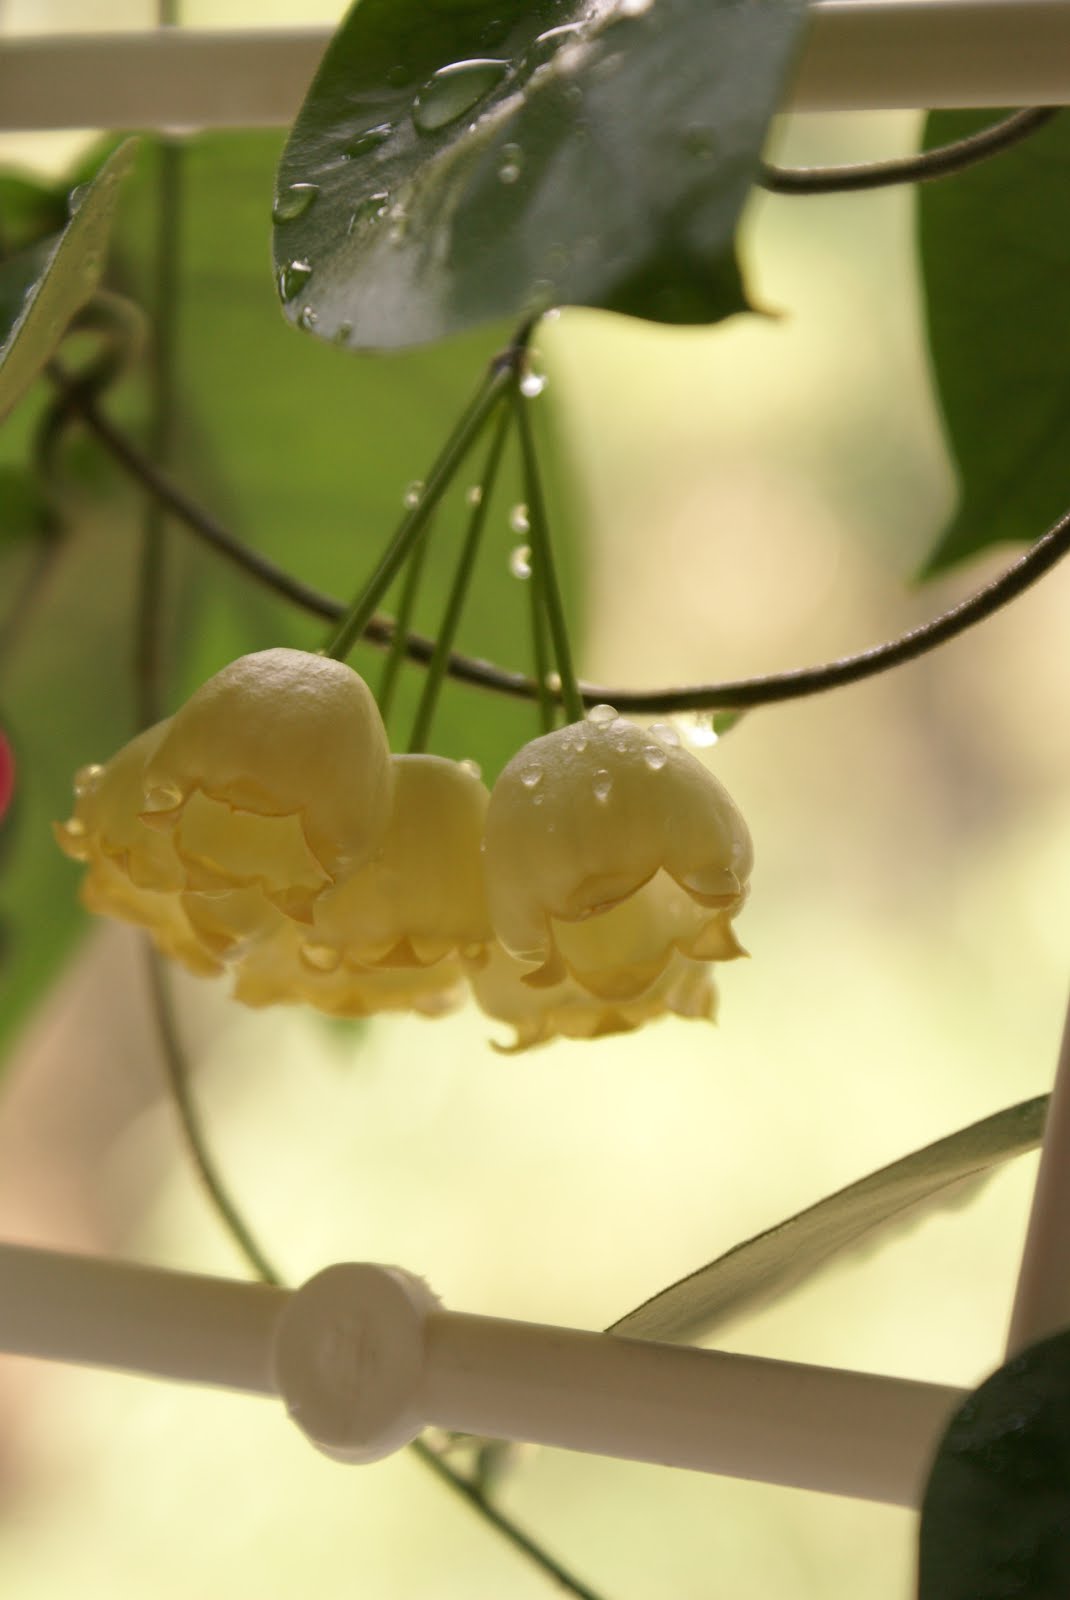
459	162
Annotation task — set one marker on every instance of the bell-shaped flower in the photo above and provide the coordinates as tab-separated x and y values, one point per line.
275	774
286	967
592	816
684	988
133	872
421	896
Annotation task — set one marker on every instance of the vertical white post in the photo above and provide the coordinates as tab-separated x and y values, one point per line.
1042	1299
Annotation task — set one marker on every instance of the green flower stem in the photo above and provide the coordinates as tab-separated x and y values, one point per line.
544	571
439	478
545	704
398	645
436	670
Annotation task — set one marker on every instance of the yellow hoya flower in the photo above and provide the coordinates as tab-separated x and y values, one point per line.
616	826
134	873
421	896
285	967
274	775
684	988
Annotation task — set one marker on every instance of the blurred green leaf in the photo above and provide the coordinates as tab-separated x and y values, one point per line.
773	1263
995	258
303	452
995	1520
41	290
463	161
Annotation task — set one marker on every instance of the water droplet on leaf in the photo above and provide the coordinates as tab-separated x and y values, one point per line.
370	209
511	164
370	139
308	318
292	279
294	201
452	91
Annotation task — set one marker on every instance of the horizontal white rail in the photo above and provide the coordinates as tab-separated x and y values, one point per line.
364	1357
859	55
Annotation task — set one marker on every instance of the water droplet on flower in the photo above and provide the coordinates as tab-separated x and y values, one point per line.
87	778
666	733
537	800
370	139
165	797
531	777
601	783
292	279
654	756
519	520
699	730
320	957
520	561
454	90
413	495
294	201
473	768
371	208
75	828
602	715
532	384
474	495
511	164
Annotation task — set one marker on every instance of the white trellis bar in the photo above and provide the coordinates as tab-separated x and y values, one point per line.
858	55
364	1357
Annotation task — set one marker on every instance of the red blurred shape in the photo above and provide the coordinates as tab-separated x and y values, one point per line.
7	774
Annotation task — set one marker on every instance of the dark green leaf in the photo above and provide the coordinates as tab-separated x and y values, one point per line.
42	291
462	161
772	1263
995	1521
995	257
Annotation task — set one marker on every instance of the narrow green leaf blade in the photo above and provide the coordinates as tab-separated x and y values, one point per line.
995	260
458	163
774	1262
43	289
995	1519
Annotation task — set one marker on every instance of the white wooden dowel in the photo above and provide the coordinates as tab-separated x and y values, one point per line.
138	1319
1042	1298
858	55
365	1357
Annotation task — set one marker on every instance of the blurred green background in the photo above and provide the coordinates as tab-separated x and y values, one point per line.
751	498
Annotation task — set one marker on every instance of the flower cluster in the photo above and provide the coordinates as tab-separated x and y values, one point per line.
267	830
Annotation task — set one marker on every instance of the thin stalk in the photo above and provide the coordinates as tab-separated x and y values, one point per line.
439	478
545	571
940	162
731	693
439	662
545	703
397	653
505	1526
148	643
177	1076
